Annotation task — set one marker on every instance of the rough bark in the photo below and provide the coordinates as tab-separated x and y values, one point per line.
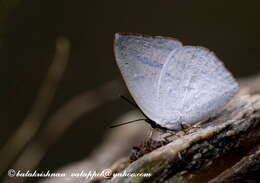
203	152
225	148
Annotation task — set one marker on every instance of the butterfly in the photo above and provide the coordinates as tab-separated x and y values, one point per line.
173	84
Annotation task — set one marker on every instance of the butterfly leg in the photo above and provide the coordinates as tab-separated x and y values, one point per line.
168	135
148	136
198	125
187	127
184	126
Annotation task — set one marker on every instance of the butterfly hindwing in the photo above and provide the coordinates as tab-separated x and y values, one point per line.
193	84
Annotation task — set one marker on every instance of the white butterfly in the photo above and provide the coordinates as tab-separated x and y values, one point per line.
171	83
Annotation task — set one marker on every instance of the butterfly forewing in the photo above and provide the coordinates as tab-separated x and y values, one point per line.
141	59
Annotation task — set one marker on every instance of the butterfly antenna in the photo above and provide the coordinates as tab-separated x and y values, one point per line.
120	124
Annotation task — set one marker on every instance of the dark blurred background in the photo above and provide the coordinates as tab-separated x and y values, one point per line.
30	28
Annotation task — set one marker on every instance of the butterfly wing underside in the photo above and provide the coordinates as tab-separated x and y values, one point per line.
193	85
140	60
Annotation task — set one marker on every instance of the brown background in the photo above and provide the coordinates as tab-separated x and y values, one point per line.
28	34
